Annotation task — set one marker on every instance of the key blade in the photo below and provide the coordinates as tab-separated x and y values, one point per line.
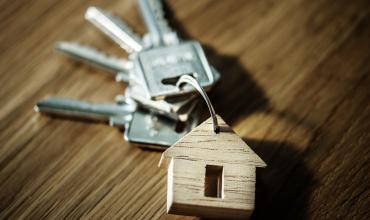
114	28
94	57
85	110
159	30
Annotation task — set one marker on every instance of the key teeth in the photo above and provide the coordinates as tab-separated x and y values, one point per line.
160	15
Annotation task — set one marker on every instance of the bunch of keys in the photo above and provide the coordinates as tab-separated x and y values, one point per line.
153	111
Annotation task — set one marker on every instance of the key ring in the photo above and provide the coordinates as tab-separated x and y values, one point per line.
193	82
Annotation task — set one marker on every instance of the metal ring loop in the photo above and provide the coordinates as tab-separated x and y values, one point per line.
193	82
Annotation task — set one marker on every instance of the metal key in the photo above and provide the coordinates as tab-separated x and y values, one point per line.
159	132
115	28
160	67
177	109
118	66
145	127
90	55
168	59
116	115
160	32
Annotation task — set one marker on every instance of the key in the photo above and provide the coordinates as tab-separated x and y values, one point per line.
119	67
178	108
160	67
145	127
87	54
115	115
114	28
159	31
138	128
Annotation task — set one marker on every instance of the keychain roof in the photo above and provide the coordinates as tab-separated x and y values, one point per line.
211	170
202	143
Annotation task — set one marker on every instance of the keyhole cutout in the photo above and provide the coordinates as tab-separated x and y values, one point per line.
173	80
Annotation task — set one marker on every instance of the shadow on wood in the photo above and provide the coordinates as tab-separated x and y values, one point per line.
286	174
230	101
278	184
225	96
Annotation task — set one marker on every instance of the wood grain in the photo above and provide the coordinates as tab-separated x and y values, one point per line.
295	85
188	179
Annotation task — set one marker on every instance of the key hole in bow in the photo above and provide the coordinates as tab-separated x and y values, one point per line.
173	80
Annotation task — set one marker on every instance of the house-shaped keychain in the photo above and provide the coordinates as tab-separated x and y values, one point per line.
211	170
211	174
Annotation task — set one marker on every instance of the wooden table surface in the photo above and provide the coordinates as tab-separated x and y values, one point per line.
295	85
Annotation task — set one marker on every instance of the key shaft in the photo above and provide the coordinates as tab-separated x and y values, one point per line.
96	58
114	28
112	113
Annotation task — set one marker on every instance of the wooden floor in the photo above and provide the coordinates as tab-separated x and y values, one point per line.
295	85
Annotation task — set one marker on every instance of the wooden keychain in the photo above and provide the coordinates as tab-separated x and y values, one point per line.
211	170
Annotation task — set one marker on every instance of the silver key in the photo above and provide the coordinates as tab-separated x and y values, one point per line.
115	28
145	127
159	31
116	115
120	67
177	108
159	68
135	121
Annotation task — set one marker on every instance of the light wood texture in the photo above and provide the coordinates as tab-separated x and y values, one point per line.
186	181
295	86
